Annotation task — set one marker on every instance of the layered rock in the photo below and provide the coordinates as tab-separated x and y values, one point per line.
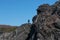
47	22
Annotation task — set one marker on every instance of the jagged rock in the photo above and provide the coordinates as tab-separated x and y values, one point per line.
47	22
44	8
57	24
23	31
34	18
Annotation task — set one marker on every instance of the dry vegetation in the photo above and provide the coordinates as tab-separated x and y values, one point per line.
7	28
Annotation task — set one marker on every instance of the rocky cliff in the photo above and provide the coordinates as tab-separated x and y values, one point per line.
46	24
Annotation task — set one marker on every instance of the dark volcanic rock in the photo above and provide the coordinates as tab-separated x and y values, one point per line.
23	31
34	18
47	22
44	8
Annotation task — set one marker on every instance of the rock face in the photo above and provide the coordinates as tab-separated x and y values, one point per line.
46	24
23	31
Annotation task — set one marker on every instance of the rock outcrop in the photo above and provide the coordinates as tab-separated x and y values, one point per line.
46	24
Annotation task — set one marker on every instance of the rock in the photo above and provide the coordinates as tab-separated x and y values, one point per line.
44	8
34	18
47	25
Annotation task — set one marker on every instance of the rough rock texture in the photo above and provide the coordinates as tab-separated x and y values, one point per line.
46	24
23	31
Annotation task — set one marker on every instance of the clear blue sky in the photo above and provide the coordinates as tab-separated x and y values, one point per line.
17	12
